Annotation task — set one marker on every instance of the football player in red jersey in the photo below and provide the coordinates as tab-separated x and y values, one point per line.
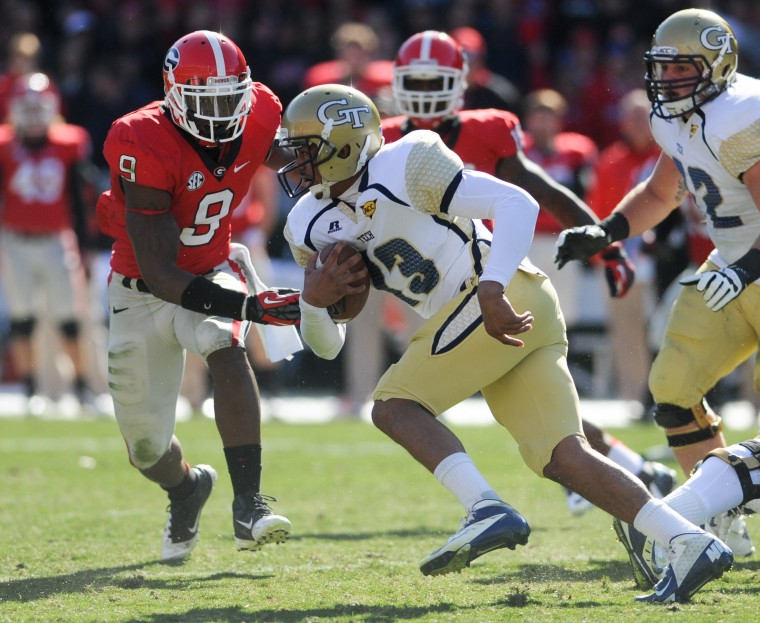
428	83
178	169
42	223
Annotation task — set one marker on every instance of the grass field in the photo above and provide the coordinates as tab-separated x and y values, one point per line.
80	536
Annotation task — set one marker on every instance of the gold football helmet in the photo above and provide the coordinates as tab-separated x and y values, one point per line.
694	37
338	126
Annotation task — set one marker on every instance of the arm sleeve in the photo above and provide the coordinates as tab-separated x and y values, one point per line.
323	336
513	212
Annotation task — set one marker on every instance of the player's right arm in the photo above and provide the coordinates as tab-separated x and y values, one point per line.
154	235
569	210
649	203
646	205
323	286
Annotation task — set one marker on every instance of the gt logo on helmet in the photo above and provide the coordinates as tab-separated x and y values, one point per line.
345	115
722	40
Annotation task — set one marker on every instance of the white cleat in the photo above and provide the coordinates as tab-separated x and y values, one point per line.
695	559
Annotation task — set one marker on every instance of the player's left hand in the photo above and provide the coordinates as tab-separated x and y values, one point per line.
719	287
500	320
618	269
276	306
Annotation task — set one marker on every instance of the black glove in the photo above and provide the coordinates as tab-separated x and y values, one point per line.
278	306
580	243
618	269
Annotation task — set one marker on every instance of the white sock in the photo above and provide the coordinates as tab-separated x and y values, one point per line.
713	489
657	520
459	475
688	505
625	457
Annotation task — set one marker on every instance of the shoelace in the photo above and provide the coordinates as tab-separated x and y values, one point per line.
260	502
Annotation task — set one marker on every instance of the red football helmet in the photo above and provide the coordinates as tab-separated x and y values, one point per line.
208	86
34	104
429	77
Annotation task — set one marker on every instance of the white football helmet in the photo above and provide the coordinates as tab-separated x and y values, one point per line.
208	86
429	77
340	128
695	37
33	105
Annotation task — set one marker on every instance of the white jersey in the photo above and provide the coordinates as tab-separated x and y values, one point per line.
401	216
713	149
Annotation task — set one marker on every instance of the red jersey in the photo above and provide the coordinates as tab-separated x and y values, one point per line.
618	170
573	155
377	74
147	148
481	138
36	183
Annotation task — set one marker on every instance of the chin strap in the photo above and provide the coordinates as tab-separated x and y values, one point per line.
363	155
321	191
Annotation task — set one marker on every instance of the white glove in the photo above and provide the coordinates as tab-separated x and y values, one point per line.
719	287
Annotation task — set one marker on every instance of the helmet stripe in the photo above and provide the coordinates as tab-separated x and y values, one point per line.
213	39
426	45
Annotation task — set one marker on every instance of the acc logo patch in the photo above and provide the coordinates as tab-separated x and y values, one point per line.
195	181
693	130
369	208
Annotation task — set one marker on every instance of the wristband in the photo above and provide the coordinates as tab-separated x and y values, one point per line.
206	297
750	264
616	226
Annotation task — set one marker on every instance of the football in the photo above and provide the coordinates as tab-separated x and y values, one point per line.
349	306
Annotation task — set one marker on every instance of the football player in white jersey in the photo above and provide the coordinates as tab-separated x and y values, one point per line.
493	323
706	118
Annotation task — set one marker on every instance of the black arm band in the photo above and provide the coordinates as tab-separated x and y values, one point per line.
750	263
207	297
616	226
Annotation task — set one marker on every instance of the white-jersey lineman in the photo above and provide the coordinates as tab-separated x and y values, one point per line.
706	118
494	324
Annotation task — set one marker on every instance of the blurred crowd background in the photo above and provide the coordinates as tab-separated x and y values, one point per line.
105	58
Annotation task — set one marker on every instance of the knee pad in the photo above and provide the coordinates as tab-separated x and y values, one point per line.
742	466
704	423
70	329
21	328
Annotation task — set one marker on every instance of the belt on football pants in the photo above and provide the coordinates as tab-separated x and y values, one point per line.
135	284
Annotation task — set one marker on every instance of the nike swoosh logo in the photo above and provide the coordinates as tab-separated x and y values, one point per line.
194	529
667	588
240	166
248	525
268	301
118	311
